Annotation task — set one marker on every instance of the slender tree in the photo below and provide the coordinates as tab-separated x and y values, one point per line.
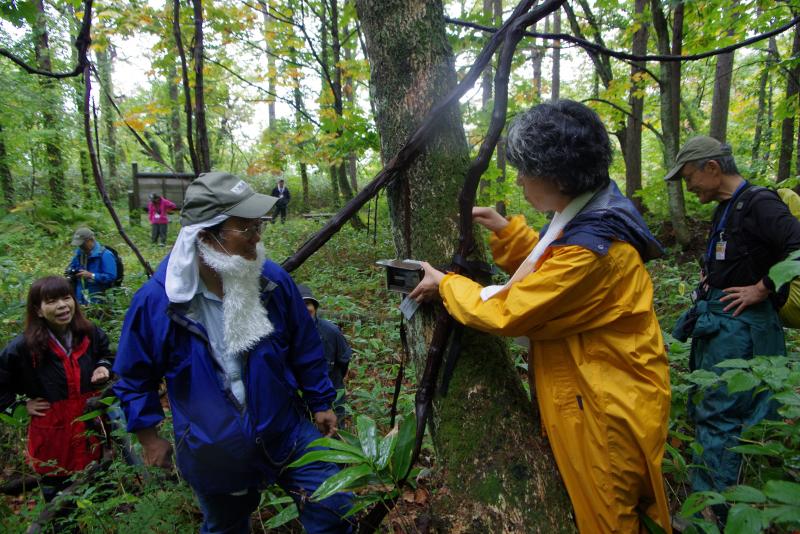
787	124
51	110
105	56
670	105
203	146
633	129
6	179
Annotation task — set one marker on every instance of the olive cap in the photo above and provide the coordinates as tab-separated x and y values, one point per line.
216	193
697	148
80	236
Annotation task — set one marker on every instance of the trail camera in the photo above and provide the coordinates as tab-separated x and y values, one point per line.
402	275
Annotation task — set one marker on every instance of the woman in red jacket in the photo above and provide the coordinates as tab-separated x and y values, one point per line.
56	363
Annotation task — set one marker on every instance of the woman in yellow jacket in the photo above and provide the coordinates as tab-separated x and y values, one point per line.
582	296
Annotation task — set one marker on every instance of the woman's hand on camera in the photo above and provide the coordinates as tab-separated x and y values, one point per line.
37	407
489	218
428	288
100	375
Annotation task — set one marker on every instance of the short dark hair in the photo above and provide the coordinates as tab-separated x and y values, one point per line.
36	332
564	142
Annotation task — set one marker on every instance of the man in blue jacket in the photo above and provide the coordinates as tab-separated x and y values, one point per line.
231	335
93	269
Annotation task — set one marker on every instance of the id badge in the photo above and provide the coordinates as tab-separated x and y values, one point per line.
719	253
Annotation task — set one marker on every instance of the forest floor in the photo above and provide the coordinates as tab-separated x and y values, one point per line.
350	288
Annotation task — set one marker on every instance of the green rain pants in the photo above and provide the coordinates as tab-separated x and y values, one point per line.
721	417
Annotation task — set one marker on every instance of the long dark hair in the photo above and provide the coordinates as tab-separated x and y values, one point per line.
36	329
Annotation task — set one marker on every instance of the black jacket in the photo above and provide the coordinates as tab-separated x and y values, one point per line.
48	380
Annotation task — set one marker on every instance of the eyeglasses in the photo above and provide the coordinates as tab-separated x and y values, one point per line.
249	232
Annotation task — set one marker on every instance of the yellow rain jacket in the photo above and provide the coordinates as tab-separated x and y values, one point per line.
599	368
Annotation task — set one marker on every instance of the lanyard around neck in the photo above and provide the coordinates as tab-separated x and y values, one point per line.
723	220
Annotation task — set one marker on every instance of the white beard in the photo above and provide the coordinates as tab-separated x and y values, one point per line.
245	318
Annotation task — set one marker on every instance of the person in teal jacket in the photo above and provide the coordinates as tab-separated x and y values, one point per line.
93	268
735	310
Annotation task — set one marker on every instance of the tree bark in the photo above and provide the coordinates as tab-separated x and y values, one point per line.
555	90
633	129
83	155
669	88
175	136
720	102
761	114
500	473
51	111
787	124
6	179
265	7
104	66
203	146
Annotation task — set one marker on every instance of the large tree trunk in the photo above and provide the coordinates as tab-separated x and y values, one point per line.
669	87
51	111
633	130
6	179
499	471
787	125
104	61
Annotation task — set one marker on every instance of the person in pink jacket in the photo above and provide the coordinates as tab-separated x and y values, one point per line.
157	210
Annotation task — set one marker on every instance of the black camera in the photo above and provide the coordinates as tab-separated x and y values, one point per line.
71	274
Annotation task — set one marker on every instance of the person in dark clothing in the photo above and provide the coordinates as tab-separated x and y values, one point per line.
281	192
56	363
735	312
93	268
337	350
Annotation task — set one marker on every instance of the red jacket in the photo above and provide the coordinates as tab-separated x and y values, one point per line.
56	442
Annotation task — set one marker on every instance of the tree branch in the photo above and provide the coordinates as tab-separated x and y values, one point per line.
647	125
265	91
583	43
82	42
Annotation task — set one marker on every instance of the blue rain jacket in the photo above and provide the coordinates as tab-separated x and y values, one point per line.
222	447
99	261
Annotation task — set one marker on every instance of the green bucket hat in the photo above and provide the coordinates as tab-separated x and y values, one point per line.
216	193
697	148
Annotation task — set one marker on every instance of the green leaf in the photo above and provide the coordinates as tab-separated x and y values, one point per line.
335	444
368	435
735	363
386	448
342	481
349	438
739	381
18	12
328	455
90	415
784	271
744	494
650	525
768	449
699	500
284	516
783	515
783	491
401	458
743	519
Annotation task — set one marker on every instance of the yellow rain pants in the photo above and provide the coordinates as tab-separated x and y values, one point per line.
599	368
